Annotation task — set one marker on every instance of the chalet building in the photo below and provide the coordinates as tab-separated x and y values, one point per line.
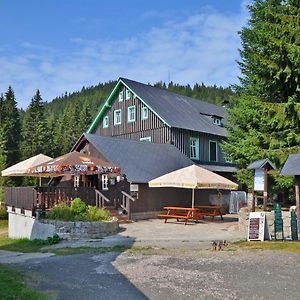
149	132
142	112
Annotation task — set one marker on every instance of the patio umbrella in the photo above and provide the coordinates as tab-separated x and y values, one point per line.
74	163
193	177
21	168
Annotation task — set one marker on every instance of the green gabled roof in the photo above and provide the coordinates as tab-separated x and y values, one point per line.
109	101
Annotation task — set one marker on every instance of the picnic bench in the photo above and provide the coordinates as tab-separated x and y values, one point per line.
179	213
209	210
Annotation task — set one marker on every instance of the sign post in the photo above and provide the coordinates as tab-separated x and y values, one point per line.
257	228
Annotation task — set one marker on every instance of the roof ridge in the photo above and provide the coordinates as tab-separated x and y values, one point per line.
171	92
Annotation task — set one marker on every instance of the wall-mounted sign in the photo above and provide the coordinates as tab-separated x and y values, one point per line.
259	179
134	188
257	228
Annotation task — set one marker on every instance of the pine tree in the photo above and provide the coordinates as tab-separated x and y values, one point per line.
85	119
264	121
10	122
35	130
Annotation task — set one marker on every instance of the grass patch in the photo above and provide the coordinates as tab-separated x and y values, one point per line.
81	250
3	224
12	286
25	245
21	245
287	246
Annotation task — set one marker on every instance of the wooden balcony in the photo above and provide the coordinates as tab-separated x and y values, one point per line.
44	198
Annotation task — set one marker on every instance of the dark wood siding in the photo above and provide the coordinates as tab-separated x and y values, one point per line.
154	199
152	127
181	139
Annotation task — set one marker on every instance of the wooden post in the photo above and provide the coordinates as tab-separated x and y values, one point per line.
265	189
297	179
253	200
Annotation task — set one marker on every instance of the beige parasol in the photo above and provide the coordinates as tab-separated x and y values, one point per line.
21	168
193	177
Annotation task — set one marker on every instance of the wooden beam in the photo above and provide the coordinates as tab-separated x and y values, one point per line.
265	189
297	180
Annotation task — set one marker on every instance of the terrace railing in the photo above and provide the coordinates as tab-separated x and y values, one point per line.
44	198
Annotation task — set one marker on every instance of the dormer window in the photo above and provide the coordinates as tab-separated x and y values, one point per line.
217	121
128	94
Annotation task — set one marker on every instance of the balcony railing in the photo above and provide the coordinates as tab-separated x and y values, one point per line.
44	198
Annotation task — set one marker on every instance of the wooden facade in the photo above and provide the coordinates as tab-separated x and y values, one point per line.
155	129
152	127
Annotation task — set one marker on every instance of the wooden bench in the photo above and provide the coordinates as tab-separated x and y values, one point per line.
178	213
209	211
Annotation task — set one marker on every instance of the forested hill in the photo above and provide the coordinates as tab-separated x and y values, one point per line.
96	95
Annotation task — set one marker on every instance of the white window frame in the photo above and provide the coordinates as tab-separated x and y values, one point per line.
146	139
209	143
131	109
128	95
145	113
104	182
106	122
194	148
121	96
115	116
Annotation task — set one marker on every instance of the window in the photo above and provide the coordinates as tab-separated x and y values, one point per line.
104	180
117	117
217	121
194	148
105	122
128	94
144	113
121	96
213	148
131	114
146	139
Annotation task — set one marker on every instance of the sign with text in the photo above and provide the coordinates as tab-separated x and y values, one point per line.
134	188
257	228
259	180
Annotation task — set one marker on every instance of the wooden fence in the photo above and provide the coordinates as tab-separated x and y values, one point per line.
44	198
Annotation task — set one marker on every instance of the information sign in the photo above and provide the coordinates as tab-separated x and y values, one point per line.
259	178
257	229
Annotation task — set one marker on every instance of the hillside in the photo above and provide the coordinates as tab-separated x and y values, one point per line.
96	95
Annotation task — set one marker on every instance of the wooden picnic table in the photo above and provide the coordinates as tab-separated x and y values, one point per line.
180	213
209	210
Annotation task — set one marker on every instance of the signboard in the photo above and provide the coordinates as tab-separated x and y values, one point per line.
257	228
259	178
134	188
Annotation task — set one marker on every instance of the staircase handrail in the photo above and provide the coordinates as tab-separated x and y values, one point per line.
128	196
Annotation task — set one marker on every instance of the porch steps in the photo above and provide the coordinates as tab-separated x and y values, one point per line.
122	218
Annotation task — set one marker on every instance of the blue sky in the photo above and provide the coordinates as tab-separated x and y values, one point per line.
61	45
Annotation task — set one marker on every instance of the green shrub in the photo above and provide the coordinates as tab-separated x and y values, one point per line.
3	213
1	196
78	206
78	211
95	214
53	239
62	212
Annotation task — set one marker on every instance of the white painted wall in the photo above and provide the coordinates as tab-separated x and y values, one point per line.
22	226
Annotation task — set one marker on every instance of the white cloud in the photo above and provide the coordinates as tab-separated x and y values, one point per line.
201	48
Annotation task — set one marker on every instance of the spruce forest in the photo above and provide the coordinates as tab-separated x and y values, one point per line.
53	128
